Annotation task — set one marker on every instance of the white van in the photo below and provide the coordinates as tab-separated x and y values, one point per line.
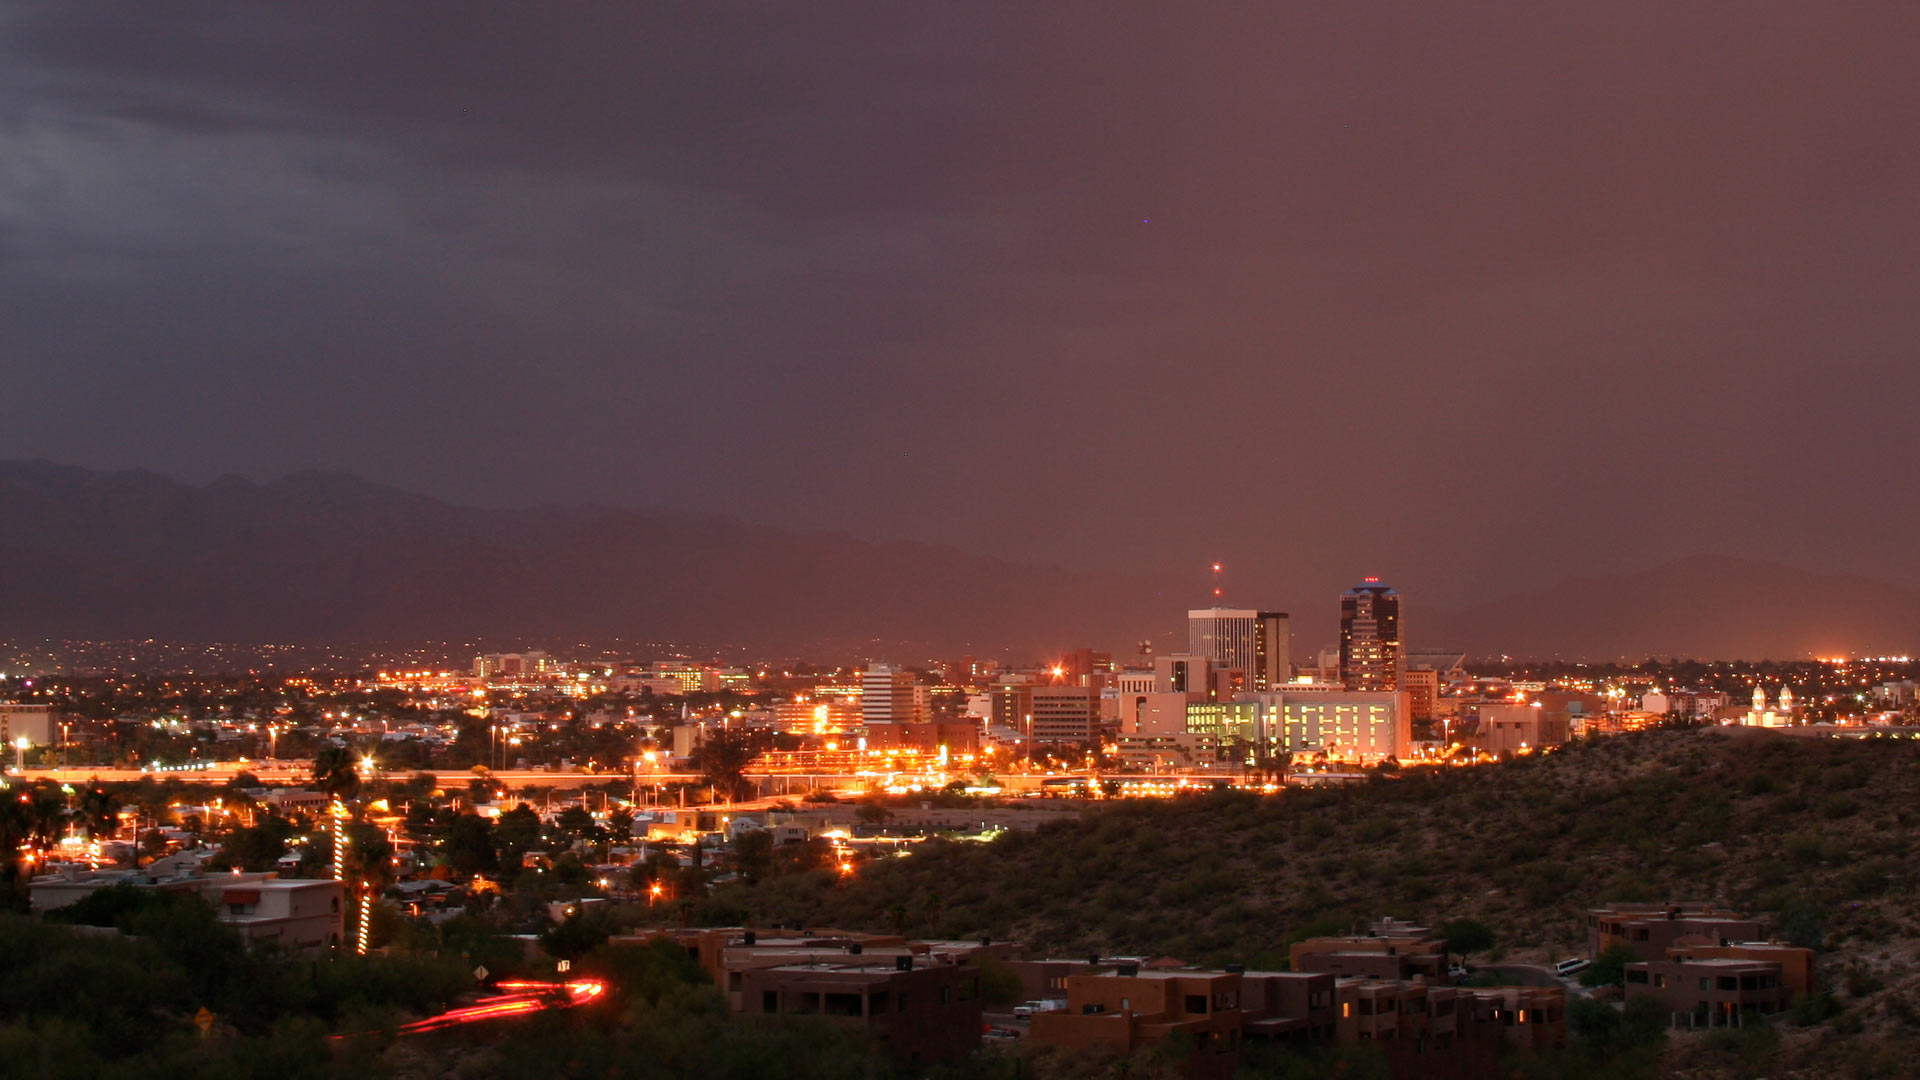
1571	966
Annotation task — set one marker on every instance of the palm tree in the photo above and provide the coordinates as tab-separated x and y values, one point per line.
336	772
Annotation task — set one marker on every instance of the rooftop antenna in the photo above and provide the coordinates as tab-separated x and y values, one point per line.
1217	590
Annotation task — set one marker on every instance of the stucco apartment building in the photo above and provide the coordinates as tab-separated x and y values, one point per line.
920	998
1723	985
1379	957
920	1008
1651	929
1125	1009
1426	1029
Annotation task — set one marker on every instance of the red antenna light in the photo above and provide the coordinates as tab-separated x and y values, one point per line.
1217	568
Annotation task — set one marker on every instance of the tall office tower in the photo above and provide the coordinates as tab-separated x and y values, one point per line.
1370	647
1258	643
886	696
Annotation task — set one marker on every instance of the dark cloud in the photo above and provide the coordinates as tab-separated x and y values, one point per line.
1471	295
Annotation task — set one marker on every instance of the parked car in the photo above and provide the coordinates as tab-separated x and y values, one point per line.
1457	971
1571	966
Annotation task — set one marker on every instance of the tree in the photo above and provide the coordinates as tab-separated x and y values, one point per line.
1000	985
620	825
752	854
469	846
722	761
1467	936
873	812
575	823
1610	967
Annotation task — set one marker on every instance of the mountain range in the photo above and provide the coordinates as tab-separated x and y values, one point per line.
317	557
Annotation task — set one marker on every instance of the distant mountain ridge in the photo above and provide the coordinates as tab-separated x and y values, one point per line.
1707	606
327	557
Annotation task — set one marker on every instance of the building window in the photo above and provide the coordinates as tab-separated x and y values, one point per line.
769	1001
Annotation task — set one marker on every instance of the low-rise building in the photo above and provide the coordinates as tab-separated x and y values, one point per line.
1128	1008
1651	929
298	913
1393	950
1711	992
921	1009
1425	1029
1507	728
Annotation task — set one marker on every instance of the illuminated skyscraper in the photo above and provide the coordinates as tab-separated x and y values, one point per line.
886	696
1371	651
1258	643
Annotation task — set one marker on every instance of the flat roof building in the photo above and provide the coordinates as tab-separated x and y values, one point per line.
921	1009
1651	929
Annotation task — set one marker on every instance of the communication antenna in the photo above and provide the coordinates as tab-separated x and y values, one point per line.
1218	591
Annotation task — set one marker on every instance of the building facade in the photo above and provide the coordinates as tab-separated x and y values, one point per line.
886	696
1256	643
1371	648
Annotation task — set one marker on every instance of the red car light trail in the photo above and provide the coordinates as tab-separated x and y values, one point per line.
520	998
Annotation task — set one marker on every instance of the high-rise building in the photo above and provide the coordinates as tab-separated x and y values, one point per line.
886	696
1370	644
1064	714
1258	643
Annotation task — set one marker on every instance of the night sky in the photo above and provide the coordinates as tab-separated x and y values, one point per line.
1471	296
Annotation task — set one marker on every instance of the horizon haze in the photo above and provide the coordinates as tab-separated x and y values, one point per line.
331	558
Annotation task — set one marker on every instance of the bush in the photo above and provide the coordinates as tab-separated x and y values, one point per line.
1609	968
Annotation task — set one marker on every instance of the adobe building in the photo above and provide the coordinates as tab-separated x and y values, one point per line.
1127	1009
1651	929
921	1009
1428	1031
1723	985
1711	992
1294	1006
1796	964
1393	950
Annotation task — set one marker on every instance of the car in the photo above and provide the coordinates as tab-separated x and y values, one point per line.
1571	966
1457	971
1000	1033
